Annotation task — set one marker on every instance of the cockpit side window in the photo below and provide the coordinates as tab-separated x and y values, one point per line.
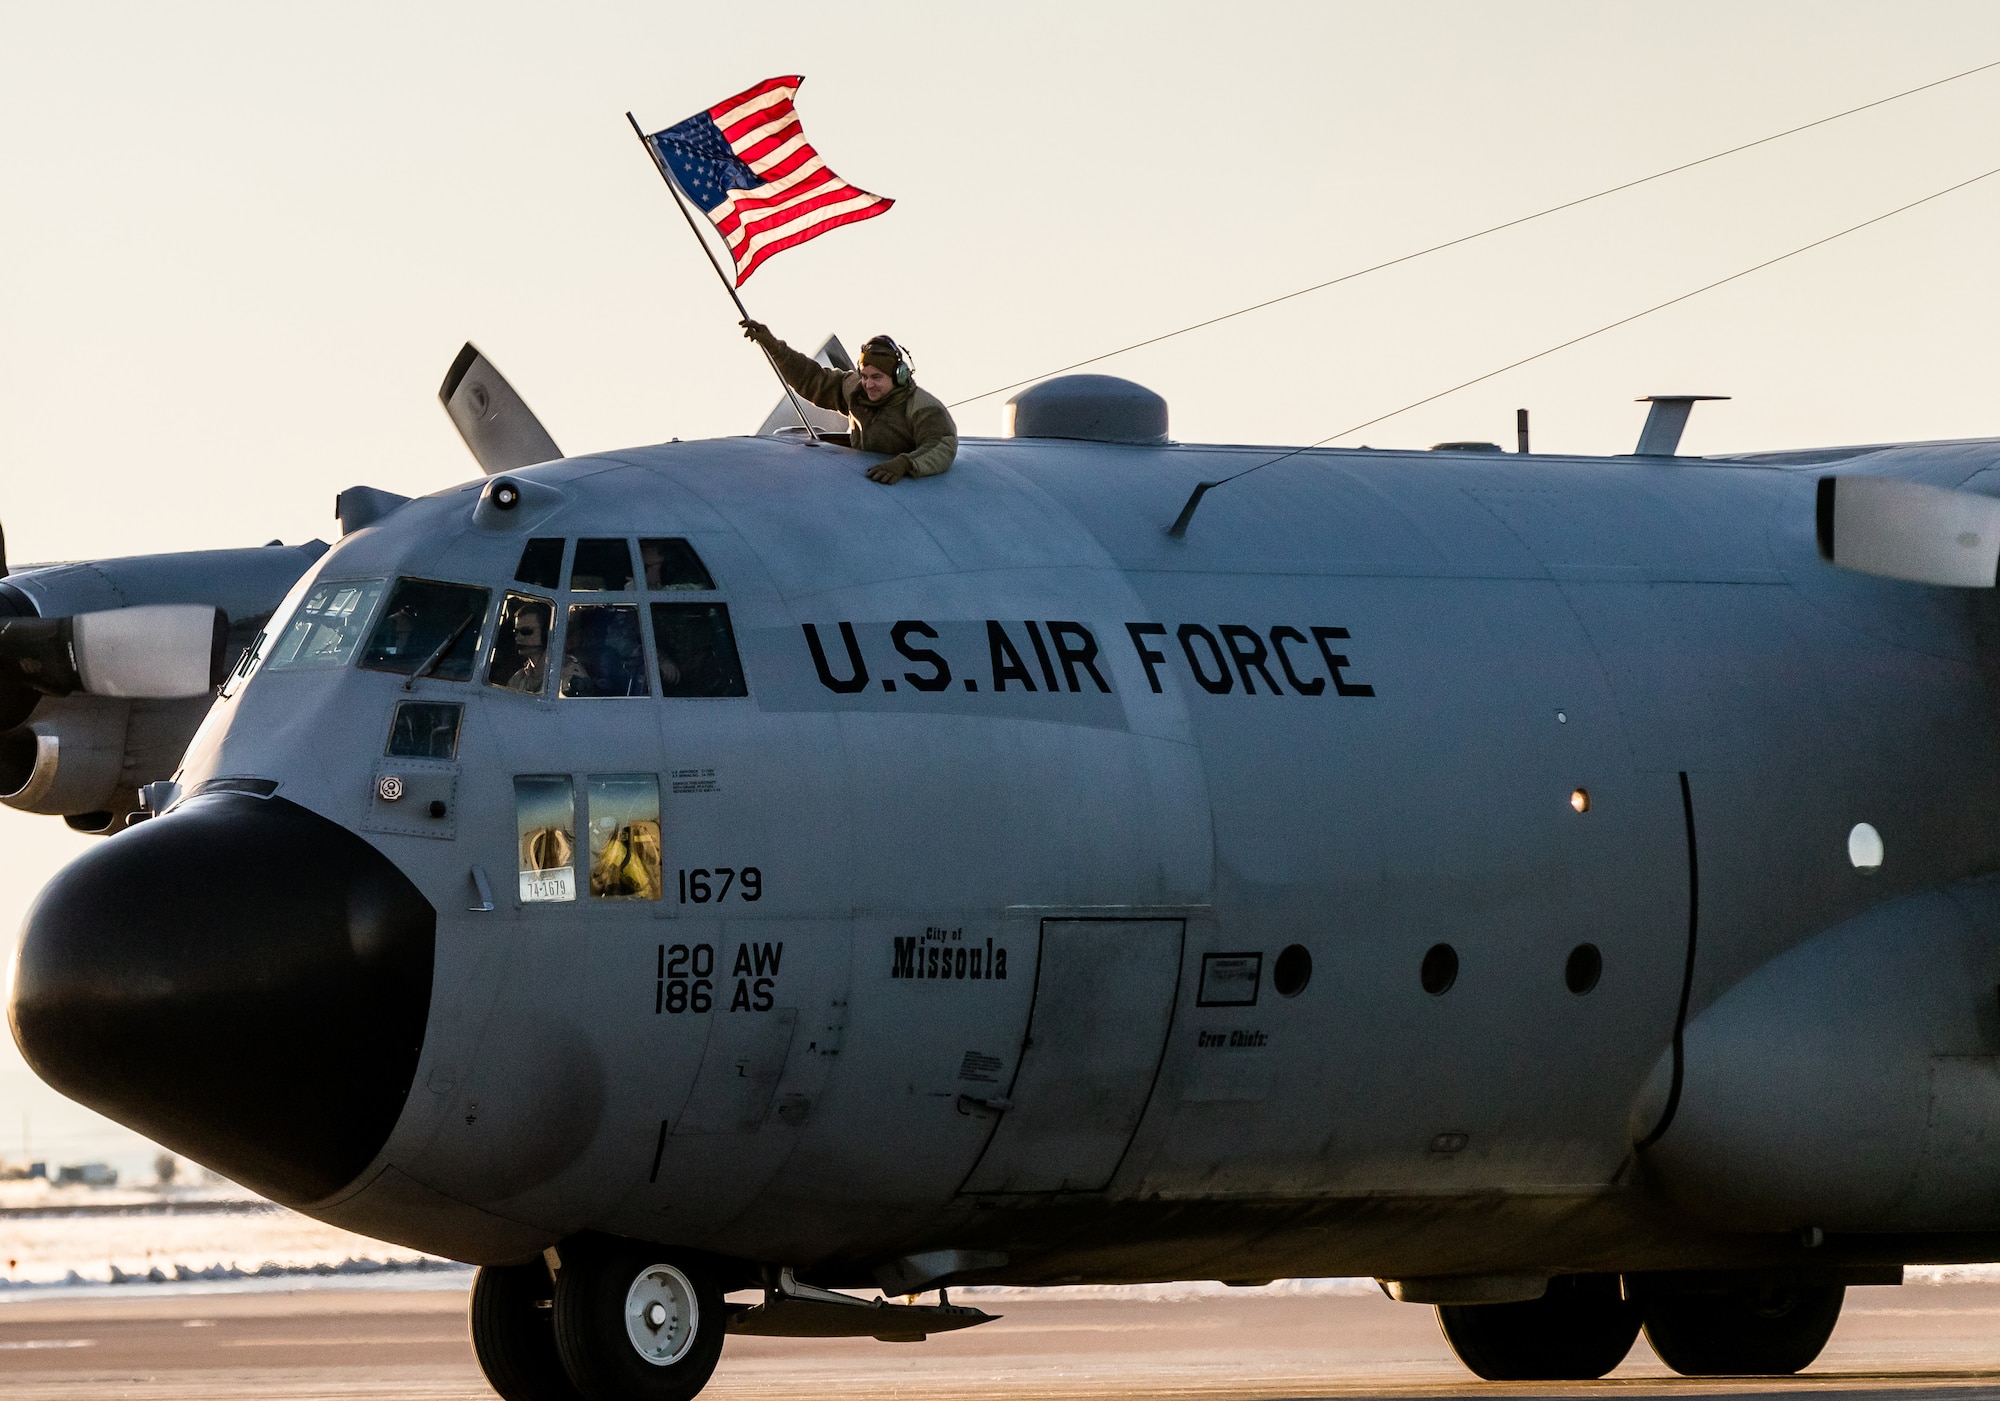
672	566
541	564
519	659
428	628
624	836
425	730
545	825
603	654
697	650
327	626
602	566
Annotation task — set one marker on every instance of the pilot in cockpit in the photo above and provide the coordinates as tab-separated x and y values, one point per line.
520	651
886	410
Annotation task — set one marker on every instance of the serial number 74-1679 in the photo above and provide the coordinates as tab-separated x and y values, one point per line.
702	884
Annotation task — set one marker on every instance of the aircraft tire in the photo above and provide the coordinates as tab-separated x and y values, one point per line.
1578	1331
1759	1330
514	1339
636	1322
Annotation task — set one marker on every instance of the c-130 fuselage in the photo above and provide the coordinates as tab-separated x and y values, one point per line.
1434	867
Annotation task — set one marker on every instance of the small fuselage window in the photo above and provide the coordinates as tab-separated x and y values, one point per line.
541	564
520	656
697	650
428	629
603	654
602	566
425	730
327	627
671	565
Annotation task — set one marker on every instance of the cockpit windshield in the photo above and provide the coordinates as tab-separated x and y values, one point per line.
327	627
428	627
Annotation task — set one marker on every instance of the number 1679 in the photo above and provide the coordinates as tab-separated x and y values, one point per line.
702	884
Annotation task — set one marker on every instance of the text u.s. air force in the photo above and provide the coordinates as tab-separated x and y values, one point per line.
1042	668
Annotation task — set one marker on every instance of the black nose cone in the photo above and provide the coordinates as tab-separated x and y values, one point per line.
240	980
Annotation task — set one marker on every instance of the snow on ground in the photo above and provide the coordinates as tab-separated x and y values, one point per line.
57	1236
218	1236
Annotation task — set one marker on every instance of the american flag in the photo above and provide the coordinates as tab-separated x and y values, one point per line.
747	163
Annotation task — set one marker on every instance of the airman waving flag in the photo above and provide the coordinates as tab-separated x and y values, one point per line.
746	163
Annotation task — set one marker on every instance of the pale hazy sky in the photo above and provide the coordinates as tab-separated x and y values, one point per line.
240	244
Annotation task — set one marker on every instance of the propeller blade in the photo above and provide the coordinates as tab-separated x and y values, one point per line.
785	418
156	652
497	425
1905	530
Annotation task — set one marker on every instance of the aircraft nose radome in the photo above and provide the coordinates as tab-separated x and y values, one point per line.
240	980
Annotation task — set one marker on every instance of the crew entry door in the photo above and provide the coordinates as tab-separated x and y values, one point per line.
1104	999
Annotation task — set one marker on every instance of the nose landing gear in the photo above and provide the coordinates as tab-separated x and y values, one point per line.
619	1321
635	1322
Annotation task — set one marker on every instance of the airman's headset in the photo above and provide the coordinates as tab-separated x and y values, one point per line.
886	345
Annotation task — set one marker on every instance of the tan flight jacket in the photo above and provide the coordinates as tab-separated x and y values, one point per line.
909	421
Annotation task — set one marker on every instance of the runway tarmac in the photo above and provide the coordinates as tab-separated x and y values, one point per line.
407	1344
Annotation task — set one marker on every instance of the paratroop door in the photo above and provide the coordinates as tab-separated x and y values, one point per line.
1104	998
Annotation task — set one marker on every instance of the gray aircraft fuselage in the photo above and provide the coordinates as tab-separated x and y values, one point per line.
1036	800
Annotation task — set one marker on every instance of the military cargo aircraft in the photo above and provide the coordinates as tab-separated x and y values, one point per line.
1557	887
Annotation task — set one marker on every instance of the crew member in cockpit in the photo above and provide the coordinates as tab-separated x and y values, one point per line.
885	409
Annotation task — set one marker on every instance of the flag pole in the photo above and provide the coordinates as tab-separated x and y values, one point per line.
728	286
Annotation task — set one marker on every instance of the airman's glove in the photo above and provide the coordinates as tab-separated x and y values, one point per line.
890	472
757	331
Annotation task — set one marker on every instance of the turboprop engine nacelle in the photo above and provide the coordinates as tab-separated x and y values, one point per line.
106	668
68	759
158	652
81	755
1851	1083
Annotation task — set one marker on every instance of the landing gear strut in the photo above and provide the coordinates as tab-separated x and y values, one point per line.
1756	1327
1578	1331
636	1322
